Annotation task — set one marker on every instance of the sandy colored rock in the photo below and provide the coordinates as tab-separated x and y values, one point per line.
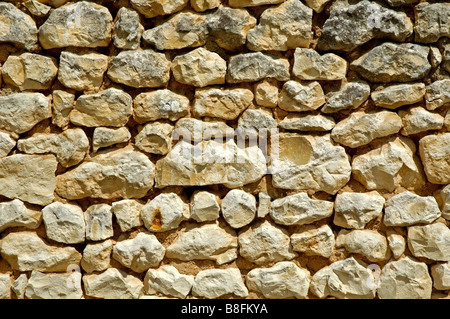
30	71
62	105
64	223
344	279
204	206
210	162
54	286
182	30
430	241
238	208
428	27
112	284
405	279
26	251
437	94
17	27
5	286
392	62
306	122
164	212
97	256
355	210
105	136
252	3
127	29
434	152
301	96
389	165
418	119
317	5
140	68
263	243
127	213
199	68
139	253
98	220
209	241
352	25
286	26
203	5
299	209
226	104
255	123
155	138
168	281
30	178
6	144
310	65
19	285
15	214
191	129
394	96
214	283
443	198
263	205
80	24
304	162
253	67
19	112
369	243
314	241
82	71
361	128
266	93
349	96
282	281
70	147
397	244
159	104
441	276
447	120
36	8
153	8
110	107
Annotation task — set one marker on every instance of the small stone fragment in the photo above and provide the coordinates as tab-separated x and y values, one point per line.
140	68
32	107
19	285
369	243
199	68
191	129
303	122
168	281
37	8
29	71
405	279
204	206
434	151
264	243
299	209
64	223
392	62
437	94
97	256
255	123
317	5
314	241
447	120
153	8
82	71
301	96
444	201
80	24
210	241
214	283
6	144
203	5
355	210
430	241
127	30
112	284
54	286
139	253
418	119
344	279
127	213
30	178
62	106
26	251
15	214
253	67
5	286
397	244
266	93
286	26
105	136
155	138
441	276
238	208
282	281
361	128
350	95
98	219
310	65
430	22
226	104
252	3
17	27
394	96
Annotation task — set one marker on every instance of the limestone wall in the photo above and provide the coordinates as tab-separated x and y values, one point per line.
225	149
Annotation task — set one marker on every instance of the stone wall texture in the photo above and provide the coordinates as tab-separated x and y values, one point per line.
225	149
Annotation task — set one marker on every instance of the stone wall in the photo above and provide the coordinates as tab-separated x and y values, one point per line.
225	149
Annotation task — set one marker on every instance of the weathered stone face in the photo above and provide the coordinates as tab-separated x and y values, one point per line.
435	152
369	243
214	283
153	8
14	213
430	241
301	96
168	281
314	241
112	284
310	65
394	96
64	223
127	30
54	286
350	95
17	27
428	29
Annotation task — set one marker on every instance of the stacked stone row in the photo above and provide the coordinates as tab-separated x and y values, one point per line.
115	185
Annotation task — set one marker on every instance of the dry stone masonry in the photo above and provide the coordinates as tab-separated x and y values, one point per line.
268	149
